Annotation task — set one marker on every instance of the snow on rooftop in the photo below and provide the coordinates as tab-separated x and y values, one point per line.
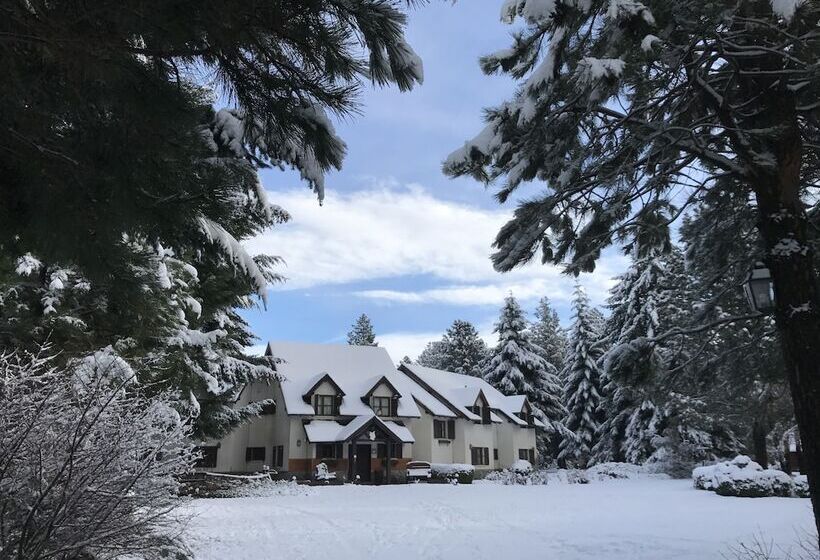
355	369
461	391
326	431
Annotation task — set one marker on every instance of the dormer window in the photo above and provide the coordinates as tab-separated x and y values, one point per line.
525	416
481	408
383	398
526	413
381	406
326	405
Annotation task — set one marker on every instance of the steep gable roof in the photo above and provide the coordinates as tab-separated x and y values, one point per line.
382	381
353	369
461	391
321	378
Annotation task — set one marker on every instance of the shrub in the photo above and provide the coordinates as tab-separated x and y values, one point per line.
456	473
744	478
87	463
519	473
800	486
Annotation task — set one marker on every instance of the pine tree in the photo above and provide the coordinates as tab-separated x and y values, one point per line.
125	196
433	355
583	390
619	117
460	350
464	350
633	365
362	332
517	367
548	335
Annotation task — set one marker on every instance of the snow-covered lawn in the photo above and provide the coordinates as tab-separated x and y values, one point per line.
629	519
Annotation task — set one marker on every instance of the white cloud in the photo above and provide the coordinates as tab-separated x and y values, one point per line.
390	231
400	344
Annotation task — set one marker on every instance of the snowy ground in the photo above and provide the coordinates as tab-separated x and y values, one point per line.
630	519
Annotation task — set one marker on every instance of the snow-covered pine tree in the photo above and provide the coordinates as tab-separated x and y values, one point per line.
517	367
125	198
361	333
740	370
618	116
547	334
460	350
583	390
464	350
641	304
433	355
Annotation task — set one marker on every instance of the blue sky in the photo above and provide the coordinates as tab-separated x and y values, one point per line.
395	238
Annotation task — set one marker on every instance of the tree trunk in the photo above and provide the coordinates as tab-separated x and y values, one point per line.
759	433
784	229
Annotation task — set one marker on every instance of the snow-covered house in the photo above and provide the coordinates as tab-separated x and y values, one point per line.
345	406
464	419
350	408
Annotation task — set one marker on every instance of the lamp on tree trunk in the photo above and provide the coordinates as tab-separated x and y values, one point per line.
759	289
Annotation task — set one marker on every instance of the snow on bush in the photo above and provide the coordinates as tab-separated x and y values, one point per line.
800	486
608	471
456	473
744	478
521	466
520	473
265	487
88	470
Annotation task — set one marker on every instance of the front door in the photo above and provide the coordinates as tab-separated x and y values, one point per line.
363	462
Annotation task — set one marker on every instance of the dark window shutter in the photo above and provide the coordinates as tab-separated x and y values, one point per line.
451	429
394	407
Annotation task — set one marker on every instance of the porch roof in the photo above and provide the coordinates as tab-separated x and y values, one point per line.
329	431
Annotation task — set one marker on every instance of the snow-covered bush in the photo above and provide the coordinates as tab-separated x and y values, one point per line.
454	473
213	485
521	466
520	472
87	470
744	478
606	471
800	486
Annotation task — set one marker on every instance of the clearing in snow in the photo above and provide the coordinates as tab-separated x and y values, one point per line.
626	519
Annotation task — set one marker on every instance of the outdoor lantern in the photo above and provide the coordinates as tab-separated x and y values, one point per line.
759	289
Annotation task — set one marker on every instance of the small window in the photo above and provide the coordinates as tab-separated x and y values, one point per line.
480	455
526	417
439	429
279	456
495	454
482	411
208	456
268	409
254	454
524	454
325	405
396	450
328	451
444	429
381	406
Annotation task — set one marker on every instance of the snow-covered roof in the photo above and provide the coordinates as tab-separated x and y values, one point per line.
354	369
328	431
461	391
